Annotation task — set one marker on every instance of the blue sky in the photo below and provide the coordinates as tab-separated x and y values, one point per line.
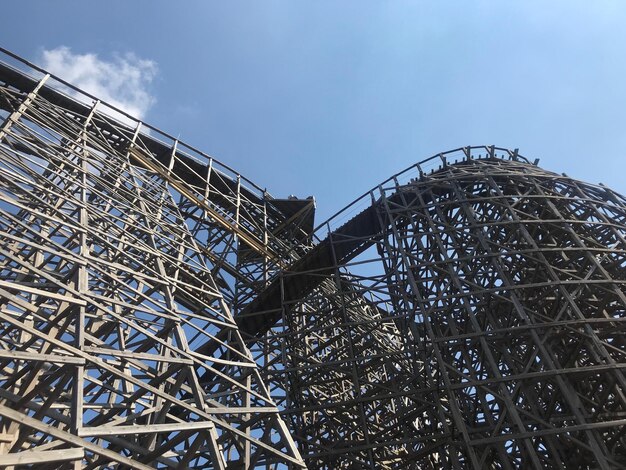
329	98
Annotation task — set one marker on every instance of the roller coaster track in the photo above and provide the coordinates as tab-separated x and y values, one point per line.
159	310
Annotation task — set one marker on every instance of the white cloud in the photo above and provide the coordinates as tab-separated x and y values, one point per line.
122	82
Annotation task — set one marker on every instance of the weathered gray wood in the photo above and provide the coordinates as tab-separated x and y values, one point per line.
159	310
43	457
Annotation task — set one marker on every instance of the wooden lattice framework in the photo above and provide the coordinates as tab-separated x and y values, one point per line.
158	310
468	317
121	257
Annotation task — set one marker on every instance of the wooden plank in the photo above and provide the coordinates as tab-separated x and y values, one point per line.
133	355
40	457
43	293
144	429
69	438
35	356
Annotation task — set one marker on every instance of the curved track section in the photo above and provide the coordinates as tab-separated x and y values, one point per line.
470	317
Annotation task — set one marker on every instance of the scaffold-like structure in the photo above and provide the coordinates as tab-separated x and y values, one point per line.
468	317
159	310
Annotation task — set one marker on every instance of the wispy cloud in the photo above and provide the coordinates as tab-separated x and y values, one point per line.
122	82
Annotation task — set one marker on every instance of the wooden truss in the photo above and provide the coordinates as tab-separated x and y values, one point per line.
468	317
118	258
158	310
